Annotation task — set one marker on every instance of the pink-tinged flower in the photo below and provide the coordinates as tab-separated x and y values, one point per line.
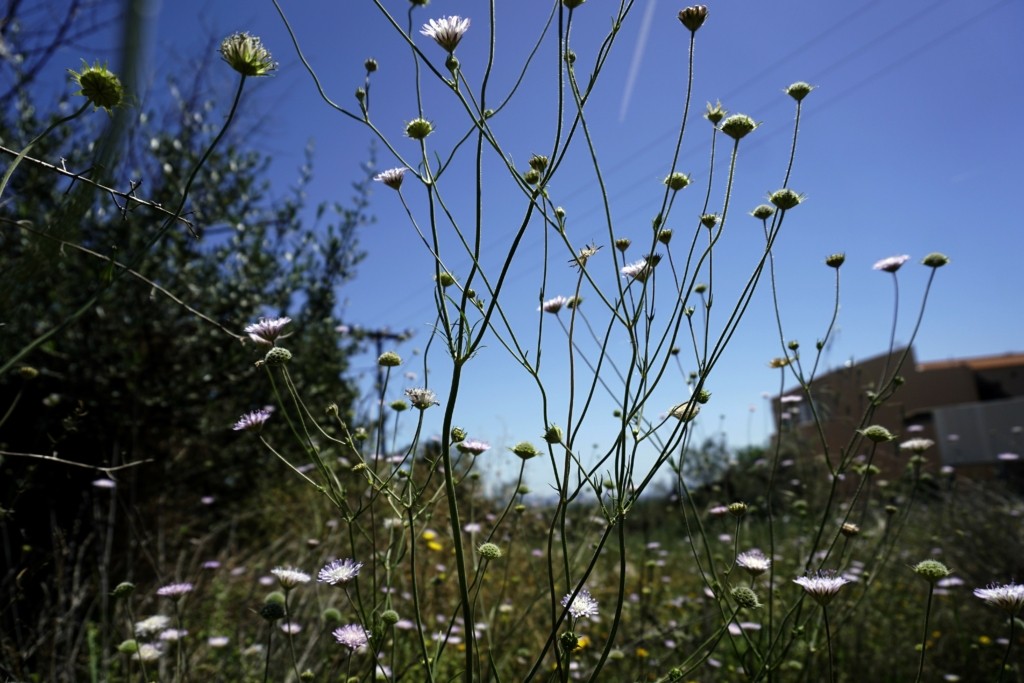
252	421
916	445
554	305
291	628
421	398
352	636
642	269
754	562
174	591
1008	457
791	398
392	177
105	483
267	330
583	605
891	264
472	446
1008	597
822	585
446	32
339	571
289	577
218	641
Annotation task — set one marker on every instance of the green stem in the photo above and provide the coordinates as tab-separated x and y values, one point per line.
24	152
924	635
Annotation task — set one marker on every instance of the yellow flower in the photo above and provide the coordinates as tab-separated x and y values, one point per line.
984	640
429	535
434	545
642	653
582	642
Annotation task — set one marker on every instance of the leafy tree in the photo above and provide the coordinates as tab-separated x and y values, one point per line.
153	373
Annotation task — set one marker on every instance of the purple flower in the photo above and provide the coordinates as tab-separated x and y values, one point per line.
392	177
472	446
822	585
446	32
339	571
267	330
352	636
252	421
754	562
1008	597
891	264
174	591
583	605
554	305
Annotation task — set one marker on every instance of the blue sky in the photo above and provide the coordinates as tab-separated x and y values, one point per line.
909	144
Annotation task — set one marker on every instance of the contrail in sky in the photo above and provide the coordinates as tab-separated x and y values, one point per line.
638	55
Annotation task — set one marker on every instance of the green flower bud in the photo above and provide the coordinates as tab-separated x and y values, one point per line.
553	434
799	90
737	509
531	177
573	4
677	181
458	434
762	212
271	611
370	65
665	236
331	615
835	260
389	617
703	396
931	570
935	260
389	359
738	126
877	433
709	220
128	647
525	450
785	198
715	114
418	129
622	244
123	590
538	162
98	85
446	279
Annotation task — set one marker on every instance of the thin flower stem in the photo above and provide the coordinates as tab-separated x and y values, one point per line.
1009	645
831	654
924	634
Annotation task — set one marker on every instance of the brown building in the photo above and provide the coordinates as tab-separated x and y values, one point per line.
972	408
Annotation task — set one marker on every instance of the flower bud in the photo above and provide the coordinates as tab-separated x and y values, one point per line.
762	212
370	65
715	114
665	236
99	85
738	126
418	129
693	17
745	597
785	198
525	450
709	220
835	260
931	570
677	181
935	260
799	90
877	433
389	359
553	434
622	244
389	617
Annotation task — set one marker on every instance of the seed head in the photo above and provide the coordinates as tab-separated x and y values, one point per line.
277	356
763	212
745	597
489	551
245	54
553	434
389	359
709	220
